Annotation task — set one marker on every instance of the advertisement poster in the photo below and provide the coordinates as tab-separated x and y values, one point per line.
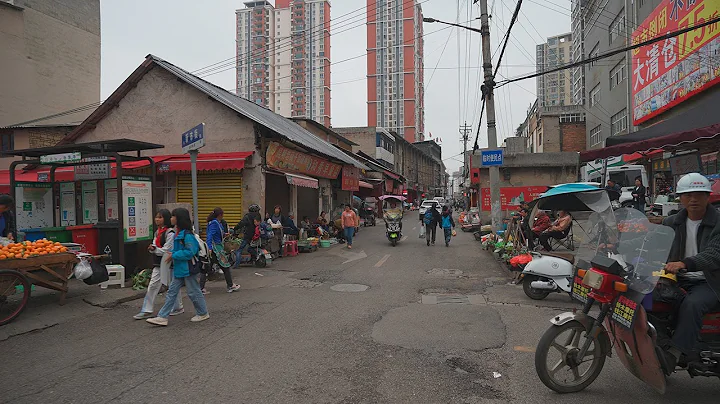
111	200
350	178
67	204
34	205
137	209
669	72
89	202
290	160
511	197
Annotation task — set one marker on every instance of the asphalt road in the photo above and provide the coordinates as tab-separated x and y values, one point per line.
435	325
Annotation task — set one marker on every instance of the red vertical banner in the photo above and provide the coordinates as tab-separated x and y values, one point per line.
350	178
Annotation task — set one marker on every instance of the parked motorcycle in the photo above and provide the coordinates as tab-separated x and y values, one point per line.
392	214
550	272
367	212
620	277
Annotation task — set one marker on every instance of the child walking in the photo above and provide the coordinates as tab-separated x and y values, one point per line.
185	248
448	225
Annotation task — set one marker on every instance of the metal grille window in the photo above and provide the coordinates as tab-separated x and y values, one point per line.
595	95
596	135
617	74
618	123
617	27
594	52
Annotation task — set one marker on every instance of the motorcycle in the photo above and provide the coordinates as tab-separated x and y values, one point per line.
550	272
257	254
367	213
392	215
621	277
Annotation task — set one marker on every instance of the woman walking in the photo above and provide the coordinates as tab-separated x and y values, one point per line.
185	249
349	222
161	248
215	234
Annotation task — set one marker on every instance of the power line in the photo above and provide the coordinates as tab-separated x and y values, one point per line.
614	52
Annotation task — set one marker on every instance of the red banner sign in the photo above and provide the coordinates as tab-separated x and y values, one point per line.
286	159
511	197
669	72
350	178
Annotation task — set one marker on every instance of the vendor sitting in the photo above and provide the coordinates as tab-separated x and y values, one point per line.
289	227
7	218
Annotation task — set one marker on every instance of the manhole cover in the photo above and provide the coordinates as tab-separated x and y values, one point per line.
349	287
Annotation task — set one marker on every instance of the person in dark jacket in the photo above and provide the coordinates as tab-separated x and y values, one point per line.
638	194
431	228
246	227
289	226
695	257
7	217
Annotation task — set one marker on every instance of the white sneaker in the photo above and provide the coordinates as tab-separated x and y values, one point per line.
158	321
197	319
233	288
177	312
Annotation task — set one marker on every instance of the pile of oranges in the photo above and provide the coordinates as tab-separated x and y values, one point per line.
28	249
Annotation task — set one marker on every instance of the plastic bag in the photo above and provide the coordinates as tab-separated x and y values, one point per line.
422	231
454	233
83	270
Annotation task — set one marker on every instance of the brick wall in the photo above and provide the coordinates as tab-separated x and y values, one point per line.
573	137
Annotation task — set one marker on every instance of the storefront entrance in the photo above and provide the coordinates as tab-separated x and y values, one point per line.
214	190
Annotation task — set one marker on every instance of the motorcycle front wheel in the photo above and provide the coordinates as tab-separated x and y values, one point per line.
557	363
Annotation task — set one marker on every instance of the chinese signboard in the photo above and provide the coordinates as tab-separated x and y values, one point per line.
511	197
137	209
689	163
33	205
350	178
286	159
92	171
73	157
669	72
492	157
194	138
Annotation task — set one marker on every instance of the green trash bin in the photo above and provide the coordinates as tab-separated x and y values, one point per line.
58	234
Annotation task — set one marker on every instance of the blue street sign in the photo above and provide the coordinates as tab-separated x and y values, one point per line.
194	138
492	158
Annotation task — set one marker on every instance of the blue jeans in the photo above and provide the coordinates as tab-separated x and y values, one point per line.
193	292
448	235
244	243
349	233
152	292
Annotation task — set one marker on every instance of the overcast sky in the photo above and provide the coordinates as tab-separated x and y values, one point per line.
195	34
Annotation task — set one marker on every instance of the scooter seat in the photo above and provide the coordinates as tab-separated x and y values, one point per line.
567	257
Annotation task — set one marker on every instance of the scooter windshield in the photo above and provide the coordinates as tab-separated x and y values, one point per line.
644	247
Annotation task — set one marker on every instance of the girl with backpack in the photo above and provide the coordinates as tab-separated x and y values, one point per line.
162	272
448	225
187	265
215	234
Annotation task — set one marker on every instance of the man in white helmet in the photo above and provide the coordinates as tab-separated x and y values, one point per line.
695	257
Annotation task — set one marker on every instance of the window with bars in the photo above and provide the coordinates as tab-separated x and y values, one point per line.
595	95
617	74
596	135
617	27
618	123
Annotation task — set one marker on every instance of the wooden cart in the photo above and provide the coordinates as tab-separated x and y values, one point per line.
17	275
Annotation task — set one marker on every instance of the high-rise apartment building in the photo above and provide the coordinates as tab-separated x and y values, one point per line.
577	74
554	88
395	67
283	58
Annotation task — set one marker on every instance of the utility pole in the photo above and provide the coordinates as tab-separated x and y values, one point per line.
465	132
489	85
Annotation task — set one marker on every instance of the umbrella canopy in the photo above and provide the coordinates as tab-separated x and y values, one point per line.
574	197
398	197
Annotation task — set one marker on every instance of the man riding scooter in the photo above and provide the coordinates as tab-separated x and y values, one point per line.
695	258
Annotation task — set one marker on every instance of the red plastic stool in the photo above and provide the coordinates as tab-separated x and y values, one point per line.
291	248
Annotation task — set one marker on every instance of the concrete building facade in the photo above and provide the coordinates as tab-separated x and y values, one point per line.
284	57
554	129
554	88
49	59
395	67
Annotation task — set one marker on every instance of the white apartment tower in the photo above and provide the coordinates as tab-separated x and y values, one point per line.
554	88
284	57
577	74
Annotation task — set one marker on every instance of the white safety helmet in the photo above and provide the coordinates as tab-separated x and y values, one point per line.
693	182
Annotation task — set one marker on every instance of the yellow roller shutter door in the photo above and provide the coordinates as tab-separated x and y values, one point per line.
214	190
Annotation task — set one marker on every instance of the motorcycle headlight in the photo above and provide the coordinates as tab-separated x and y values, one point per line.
593	280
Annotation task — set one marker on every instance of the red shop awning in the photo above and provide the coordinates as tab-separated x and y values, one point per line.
205	162
643	146
364	184
302	181
392	175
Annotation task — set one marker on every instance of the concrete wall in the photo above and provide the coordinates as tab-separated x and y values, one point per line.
531	176
363	136
49	59
26	138
160	108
